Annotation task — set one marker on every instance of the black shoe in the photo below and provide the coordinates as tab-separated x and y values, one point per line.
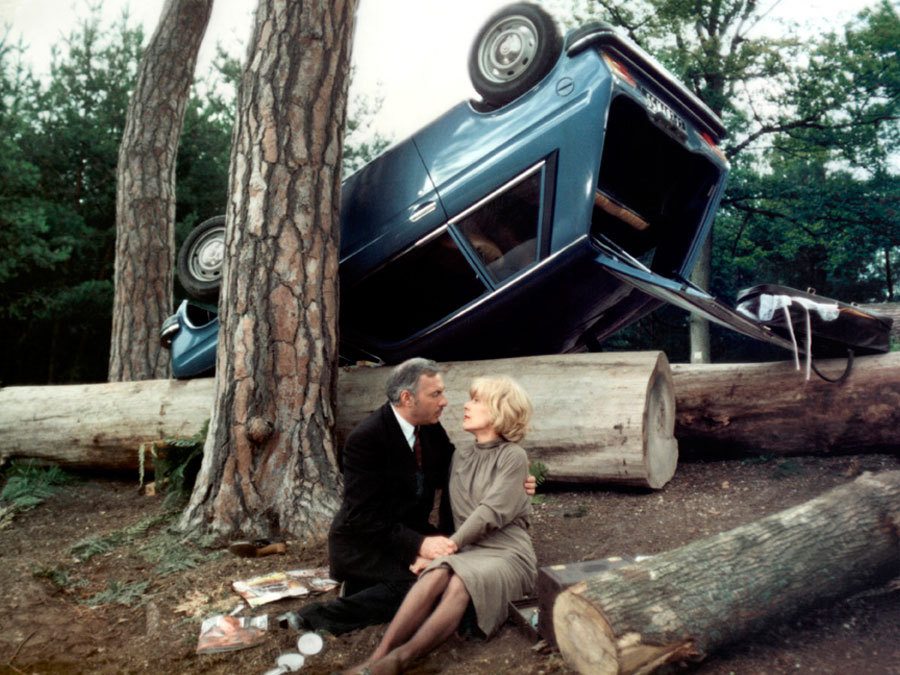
292	620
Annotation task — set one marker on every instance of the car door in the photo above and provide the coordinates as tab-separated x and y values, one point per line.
682	293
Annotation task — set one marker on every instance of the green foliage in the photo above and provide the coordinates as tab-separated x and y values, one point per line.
539	470
176	461
119	594
87	548
29	484
170	553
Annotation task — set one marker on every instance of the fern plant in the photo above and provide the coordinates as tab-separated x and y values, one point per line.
176	461
27	485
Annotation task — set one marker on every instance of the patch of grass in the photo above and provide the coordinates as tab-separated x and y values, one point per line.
760	459
118	593
88	547
788	467
29	484
58	576
170	553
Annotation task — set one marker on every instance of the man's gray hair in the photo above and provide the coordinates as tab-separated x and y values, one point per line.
405	377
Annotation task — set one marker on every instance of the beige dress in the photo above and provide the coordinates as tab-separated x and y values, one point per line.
491	513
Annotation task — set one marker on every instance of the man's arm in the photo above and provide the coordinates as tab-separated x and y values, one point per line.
368	495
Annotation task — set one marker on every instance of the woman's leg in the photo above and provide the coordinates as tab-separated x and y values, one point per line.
438	627
416	606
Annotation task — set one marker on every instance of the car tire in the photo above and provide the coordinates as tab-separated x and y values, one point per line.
200	259
512	52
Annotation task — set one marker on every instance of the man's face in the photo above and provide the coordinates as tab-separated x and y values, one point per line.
426	407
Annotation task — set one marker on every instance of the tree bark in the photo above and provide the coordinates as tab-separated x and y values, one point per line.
762	408
888	309
685	603
269	465
145	192
90	426
597	417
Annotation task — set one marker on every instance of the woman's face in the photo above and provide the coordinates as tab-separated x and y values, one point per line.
476	418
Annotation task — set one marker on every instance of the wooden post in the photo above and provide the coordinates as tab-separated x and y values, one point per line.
685	603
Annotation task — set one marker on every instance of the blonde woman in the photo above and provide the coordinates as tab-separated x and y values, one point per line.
495	562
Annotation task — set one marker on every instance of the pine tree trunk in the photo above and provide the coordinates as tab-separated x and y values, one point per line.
686	603
145	192
269	464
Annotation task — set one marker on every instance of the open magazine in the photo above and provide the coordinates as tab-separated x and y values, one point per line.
277	585
222	633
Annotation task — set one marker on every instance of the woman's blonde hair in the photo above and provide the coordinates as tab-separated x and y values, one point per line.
508	405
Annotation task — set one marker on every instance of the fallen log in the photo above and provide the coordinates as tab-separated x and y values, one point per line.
686	603
598	417
605	417
99	425
770	408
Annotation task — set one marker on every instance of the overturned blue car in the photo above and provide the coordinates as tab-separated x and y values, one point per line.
566	204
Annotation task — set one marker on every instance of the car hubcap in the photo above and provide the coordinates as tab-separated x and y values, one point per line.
508	49
208	255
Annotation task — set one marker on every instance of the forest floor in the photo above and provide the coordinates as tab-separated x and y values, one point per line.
92	580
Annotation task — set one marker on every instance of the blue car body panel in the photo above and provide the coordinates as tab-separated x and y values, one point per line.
512	231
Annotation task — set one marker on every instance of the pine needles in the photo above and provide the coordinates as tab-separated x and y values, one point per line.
176	461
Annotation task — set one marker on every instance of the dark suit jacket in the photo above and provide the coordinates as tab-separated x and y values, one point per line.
377	532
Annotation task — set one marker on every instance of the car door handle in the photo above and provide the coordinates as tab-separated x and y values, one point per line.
422	211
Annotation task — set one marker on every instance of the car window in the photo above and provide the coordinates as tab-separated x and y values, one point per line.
503	231
411	292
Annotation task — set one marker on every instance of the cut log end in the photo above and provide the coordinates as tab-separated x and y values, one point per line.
588	644
584	636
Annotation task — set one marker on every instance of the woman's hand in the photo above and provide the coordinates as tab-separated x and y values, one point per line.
419	565
530	485
436	546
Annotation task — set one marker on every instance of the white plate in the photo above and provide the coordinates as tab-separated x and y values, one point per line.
291	661
310	643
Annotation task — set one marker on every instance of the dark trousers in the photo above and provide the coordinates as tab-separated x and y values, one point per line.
361	605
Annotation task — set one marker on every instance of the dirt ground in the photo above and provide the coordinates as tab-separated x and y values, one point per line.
136	604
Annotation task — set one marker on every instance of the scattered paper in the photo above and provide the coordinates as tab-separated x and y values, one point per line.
277	585
222	633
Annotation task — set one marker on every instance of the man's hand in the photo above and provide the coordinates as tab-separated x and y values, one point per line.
530	485
419	565
436	547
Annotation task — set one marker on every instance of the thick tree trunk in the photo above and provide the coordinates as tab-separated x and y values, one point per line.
764	408
269	464
690	601
145	192
598	417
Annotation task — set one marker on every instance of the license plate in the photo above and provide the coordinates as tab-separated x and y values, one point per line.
663	111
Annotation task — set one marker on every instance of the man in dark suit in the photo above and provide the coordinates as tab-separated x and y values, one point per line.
393	462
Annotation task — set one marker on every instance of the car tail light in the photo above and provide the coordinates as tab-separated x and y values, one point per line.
712	144
619	70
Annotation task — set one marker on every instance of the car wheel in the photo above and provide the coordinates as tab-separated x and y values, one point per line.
200	259
514	50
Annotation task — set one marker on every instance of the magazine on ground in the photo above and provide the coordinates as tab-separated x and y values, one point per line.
277	585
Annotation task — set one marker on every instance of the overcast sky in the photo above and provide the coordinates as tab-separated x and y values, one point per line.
413	52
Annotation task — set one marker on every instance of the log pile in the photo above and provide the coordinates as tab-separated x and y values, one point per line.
686	603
